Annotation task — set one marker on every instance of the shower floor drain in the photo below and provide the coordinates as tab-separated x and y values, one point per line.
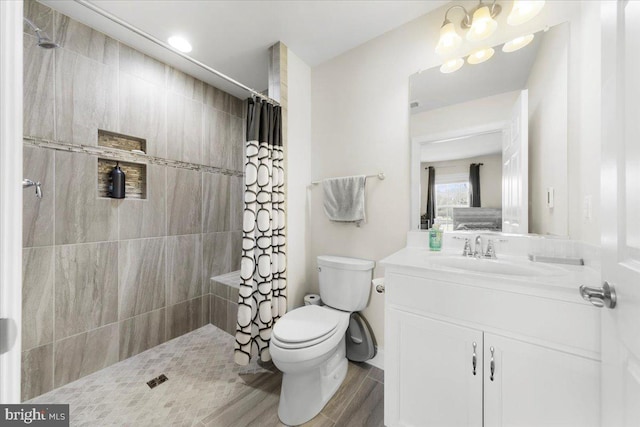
157	381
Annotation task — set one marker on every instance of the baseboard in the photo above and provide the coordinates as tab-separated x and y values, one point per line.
378	359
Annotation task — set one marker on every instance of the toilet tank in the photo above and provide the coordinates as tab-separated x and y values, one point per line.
345	283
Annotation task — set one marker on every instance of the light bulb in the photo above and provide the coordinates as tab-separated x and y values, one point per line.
524	10
517	43
452	65
449	40
482	24
180	43
481	55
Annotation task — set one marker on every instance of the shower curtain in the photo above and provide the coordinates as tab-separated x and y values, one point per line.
263	289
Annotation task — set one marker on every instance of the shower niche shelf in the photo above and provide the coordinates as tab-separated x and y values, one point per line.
135	173
121	142
135	178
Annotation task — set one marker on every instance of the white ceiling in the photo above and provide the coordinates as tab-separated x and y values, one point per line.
233	36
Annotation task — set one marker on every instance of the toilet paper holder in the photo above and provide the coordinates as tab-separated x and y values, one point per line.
312	299
378	285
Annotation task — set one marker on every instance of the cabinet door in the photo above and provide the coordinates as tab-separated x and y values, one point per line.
429	378
536	386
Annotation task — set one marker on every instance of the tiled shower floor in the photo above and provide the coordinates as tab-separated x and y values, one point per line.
205	387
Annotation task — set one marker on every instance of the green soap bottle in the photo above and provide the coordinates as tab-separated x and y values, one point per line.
435	237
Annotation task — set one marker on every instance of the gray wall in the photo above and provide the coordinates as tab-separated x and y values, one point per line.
106	279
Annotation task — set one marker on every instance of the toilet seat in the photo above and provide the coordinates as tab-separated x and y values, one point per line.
307	326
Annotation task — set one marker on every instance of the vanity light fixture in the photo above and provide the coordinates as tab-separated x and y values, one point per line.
517	43
524	11
449	40
480	56
180	43
482	24
479	21
452	65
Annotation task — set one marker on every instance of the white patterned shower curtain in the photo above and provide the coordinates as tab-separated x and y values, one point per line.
263	290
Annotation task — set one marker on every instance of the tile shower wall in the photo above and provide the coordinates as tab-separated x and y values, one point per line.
107	279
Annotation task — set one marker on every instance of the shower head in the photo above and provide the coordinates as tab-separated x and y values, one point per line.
44	41
47	43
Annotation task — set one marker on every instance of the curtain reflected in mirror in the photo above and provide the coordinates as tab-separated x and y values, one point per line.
430	214
474	185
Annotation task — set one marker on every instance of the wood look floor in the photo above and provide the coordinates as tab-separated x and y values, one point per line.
358	402
206	388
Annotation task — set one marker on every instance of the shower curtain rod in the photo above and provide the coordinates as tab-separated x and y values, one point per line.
115	19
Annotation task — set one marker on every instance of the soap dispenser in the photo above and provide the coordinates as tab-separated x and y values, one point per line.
116	183
435	237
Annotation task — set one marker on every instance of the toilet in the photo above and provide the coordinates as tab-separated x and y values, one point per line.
308	343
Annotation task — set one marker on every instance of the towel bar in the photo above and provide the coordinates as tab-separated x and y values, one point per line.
380	176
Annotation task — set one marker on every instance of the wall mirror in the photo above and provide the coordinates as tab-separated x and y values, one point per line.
489	141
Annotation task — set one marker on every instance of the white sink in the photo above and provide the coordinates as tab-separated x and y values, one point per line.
496	266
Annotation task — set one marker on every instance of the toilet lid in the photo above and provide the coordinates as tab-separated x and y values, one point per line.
308	323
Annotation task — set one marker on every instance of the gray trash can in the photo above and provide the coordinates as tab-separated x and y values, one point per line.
361	344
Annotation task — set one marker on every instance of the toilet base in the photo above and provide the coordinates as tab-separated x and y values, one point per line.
304	394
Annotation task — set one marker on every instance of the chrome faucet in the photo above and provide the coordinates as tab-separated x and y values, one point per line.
477	249
491	250
26	183
466	251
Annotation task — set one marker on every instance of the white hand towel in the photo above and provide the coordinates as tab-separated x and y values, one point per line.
344	198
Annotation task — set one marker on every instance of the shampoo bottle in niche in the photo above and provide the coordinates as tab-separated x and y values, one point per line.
116	183
435	237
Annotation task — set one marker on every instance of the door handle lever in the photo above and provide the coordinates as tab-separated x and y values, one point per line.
600	297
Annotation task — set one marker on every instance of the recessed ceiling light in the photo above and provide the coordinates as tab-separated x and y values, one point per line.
180	43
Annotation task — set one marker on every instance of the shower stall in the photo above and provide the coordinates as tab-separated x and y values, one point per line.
106	279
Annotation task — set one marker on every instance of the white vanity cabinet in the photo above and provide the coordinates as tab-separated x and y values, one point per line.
545	356
433	383
537	386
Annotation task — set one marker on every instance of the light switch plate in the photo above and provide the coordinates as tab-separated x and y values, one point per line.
587	207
